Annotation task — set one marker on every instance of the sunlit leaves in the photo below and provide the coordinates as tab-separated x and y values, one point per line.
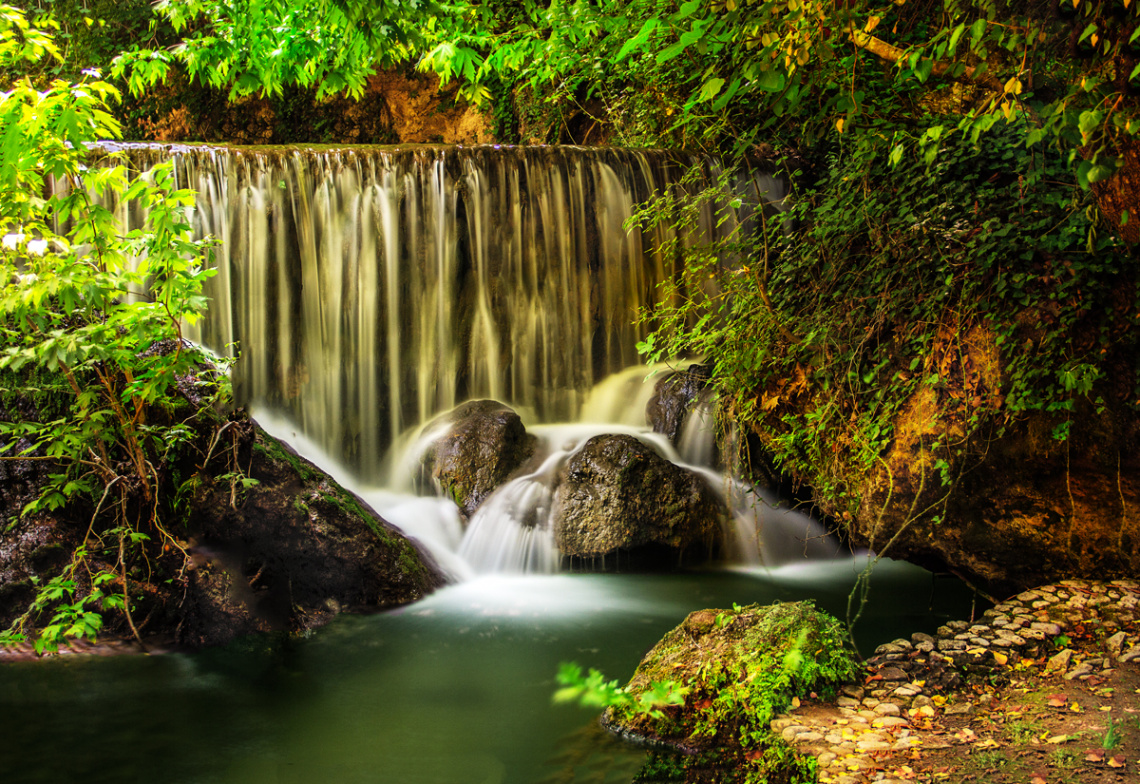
264	45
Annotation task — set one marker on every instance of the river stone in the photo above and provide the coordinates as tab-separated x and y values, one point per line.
762	656
674	396
617	494
289	552
485	444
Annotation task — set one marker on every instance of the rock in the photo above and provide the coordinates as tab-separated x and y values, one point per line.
749	648
1080	671
485	444
674	396
893	674
617	494
1115	644
290	551
959	709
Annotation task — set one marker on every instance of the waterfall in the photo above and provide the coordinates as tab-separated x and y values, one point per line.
368	290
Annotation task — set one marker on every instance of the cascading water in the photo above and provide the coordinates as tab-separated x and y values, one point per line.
369	290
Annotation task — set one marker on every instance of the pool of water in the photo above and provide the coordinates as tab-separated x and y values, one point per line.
455	689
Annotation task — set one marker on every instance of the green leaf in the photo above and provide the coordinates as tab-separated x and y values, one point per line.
954	38
977	31
771	81
638	41
669	52
709	89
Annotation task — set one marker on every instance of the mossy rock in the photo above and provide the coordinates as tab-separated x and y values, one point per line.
742	667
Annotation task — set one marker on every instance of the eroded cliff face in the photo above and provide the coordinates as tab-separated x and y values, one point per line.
1004	509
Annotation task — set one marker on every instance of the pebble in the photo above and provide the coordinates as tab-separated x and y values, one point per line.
1115	644
856	742
1060	661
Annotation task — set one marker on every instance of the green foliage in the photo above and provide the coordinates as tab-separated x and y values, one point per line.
737	669
594	691
264	45
100	312
980	276
1112	734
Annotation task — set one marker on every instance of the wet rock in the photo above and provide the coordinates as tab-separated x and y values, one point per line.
485	444
674	396
617	494
289	552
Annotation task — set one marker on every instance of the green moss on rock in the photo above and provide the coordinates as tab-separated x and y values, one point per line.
742	666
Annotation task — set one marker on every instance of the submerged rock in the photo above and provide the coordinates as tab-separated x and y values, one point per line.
290	551
486	443
739	668
617	494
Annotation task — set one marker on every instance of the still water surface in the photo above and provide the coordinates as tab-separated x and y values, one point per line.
455	689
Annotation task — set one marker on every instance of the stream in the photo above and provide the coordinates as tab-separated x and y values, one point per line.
368	291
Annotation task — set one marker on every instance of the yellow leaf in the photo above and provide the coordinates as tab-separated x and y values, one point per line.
1013	86
1000	658
872	23
795	702
1007	109
1075	707
1059	739
839	124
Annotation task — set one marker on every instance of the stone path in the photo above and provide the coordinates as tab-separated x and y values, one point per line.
911	687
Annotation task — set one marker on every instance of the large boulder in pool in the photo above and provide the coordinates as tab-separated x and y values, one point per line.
485	444
674	397
616	494
732	671
288	550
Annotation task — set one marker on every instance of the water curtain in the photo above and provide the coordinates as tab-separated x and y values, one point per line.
368	289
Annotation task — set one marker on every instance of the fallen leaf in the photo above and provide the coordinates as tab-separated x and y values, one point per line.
1056	700
1000	658
1075	707
1036	779
1059	739
1116	761
988	743
1096	755
795	702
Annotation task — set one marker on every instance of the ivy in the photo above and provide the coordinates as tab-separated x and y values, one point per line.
883	280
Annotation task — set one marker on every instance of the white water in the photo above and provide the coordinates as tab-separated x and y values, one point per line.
512	531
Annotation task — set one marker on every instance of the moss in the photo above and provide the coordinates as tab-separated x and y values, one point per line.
742	667
269	447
